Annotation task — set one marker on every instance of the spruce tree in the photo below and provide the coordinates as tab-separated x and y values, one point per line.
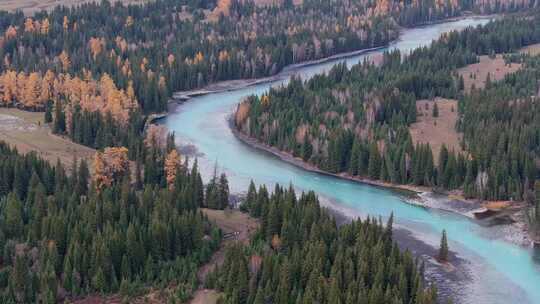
443	250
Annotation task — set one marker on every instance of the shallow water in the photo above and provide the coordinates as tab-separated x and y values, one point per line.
501	272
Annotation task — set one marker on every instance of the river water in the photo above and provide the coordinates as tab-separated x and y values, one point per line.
501	272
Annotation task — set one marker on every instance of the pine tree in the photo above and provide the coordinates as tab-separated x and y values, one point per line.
443	250
374	164
20	281
13	218
223	192
99	281
48	118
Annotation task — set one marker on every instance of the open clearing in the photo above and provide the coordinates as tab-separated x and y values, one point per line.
29	7
476	74
26	131
436	130
231	221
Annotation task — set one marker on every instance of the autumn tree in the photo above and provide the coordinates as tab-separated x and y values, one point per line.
172	163
110	166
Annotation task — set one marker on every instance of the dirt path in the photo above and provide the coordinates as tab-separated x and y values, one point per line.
237	227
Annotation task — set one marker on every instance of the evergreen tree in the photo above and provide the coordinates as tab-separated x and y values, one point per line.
443	250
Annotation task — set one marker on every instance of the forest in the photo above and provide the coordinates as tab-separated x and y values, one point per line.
137	55
129	221
300	255
67	233
356	120
70	232
96	78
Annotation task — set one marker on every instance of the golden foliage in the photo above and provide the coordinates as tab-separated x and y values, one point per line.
265	100
65	23
156	137
100	177
382	7
45	26
222	7
64	60
109	166
31	90
8	81
223	56
34	90
130	91
96	46
276	242
199	57
126	68
144	62
241	112
172	162
29	25
10	32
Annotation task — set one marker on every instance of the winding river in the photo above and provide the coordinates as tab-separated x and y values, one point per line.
500	272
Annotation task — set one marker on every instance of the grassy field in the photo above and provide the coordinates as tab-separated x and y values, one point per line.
476	74
26	131
233	221
436	130
29	7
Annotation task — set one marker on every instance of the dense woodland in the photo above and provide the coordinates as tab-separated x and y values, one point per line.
65	233
96	69
130	220
356	120
145	52
300	255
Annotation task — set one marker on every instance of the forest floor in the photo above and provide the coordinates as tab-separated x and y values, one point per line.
27	132
436	130
29	7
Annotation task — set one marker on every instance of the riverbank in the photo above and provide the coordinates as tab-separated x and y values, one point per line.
237	84
509	226
452	279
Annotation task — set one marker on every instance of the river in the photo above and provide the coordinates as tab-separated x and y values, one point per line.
500	272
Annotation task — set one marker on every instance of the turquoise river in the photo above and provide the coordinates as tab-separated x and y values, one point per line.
498	270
